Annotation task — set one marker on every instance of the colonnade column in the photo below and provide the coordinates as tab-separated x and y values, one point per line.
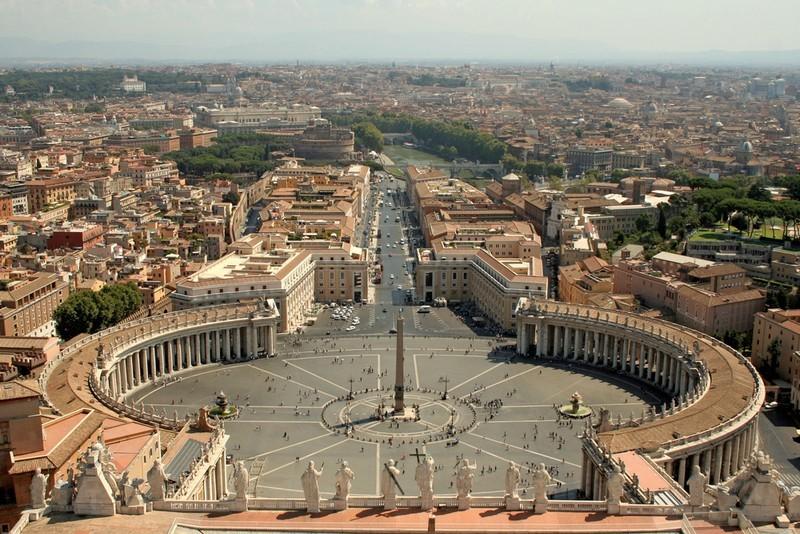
735	453
129	369
153	374
162	360
707	463
726	460
179	353
717	465
237	344
540	338
120	377
226	344
271	339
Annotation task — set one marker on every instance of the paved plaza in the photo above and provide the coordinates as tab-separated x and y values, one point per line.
284	420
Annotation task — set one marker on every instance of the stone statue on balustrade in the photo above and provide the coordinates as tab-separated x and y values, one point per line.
131	494
423	476
697	486
39	489
389	484
541	479
241	479
61	495
615	489
102	355
464	477
512	480
756	489
344	481
157	479
94	494
310	481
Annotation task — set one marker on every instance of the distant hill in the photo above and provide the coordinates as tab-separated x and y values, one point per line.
383	46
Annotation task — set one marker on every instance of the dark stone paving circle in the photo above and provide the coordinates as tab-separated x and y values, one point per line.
429	416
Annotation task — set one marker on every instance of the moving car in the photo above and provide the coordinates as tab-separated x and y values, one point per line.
424	309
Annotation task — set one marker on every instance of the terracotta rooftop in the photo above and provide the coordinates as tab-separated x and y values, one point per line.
19	389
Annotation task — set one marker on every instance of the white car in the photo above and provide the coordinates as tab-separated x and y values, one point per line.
350	328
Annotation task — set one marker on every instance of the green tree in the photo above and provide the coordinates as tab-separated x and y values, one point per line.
756	192
643	223
151	149
368	136
661	227
89	312
512	164
738	221
555	183
231	197
94	107
774	351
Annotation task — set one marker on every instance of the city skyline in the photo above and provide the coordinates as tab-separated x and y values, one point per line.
404	30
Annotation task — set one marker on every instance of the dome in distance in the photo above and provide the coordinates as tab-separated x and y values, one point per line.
620	103
746	146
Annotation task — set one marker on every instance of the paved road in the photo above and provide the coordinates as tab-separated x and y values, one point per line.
778	439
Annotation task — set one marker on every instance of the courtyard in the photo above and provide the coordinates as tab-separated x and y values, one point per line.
499	408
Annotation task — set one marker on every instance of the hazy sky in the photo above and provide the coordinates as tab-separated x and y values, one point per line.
639	26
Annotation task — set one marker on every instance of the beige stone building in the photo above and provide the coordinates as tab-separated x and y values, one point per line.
712	298
28	304
294	277
467	272
783	326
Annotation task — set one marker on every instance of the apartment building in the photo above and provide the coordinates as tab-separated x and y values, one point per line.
147	171
776	339
749	254
466	272
167	141
581	159
196	137
295	278
19	196
785	266
588	281
133	84
251	119
623	219
75	236
712	298
42	193
28	304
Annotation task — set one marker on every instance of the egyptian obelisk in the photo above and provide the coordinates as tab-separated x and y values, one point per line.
399	381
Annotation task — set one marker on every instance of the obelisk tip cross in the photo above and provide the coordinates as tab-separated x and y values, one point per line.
399	380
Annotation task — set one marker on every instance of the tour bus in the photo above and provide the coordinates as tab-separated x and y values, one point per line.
424	309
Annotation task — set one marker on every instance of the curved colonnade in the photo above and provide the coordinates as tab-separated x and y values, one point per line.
132	355
712	419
